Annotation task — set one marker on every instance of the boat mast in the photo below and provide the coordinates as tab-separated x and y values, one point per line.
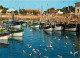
12	15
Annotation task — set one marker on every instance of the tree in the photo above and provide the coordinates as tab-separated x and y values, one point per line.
22	11
16	12
3	11
48	10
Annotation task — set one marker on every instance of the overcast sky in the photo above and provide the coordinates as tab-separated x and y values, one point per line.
36	4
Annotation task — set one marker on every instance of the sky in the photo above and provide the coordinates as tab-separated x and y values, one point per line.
37	4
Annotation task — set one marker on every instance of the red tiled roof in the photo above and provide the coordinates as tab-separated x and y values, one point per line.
29	10
53	11
77	3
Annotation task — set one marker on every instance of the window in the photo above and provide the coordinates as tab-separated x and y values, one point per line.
77	10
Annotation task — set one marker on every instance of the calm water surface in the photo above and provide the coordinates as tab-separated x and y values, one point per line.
36	44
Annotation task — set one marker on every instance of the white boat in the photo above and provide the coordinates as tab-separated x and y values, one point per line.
71	29
36	26
15	26
4	36
49	29
58	28
3	32
17	34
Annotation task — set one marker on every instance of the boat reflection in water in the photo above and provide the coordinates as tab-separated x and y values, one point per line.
4	43
17	38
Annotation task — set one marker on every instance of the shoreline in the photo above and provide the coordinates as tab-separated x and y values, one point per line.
62	18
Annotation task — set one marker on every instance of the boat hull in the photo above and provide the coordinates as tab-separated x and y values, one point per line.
36	26
71	29
17	34
58	28
49	29
16	26
4	37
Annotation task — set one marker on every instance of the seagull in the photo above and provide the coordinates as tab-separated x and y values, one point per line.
24	51
59	56
30	30
45	49
30	54
30	46
71	52
75	53
33	49
50	42
46	57
50	46
37	50
40	45
66	43
27	44
58	39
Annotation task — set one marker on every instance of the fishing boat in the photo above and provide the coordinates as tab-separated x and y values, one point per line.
48	28
35	24
13	24
16	33
4	34
58	28
71	27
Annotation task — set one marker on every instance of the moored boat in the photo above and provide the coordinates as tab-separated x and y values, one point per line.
48	28
58	28
4	34
16	33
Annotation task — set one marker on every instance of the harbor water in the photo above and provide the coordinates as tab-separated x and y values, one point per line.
37	43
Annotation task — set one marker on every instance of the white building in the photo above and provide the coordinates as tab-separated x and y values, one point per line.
10	10
1	10
77	8
59	12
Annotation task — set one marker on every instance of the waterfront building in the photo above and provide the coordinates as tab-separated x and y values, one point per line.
30	11
60	12
1	10
53	11
77	8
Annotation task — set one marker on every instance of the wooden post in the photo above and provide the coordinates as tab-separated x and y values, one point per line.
78	29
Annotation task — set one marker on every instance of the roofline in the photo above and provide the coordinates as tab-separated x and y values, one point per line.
77	3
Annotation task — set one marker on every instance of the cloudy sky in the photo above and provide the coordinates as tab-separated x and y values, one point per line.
36	4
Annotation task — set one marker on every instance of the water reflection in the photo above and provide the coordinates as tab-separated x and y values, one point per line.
16	38
64	44
39	44
4	43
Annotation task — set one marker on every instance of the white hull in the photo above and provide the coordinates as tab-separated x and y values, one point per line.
24	24
58	28
16	26
49	29
71	29
17	34
37	26
4	37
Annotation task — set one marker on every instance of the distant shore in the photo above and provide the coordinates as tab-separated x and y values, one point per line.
62	18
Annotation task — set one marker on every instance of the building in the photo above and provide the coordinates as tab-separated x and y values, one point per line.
1	10
53	11
60	12
30	11
77	8
10	10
